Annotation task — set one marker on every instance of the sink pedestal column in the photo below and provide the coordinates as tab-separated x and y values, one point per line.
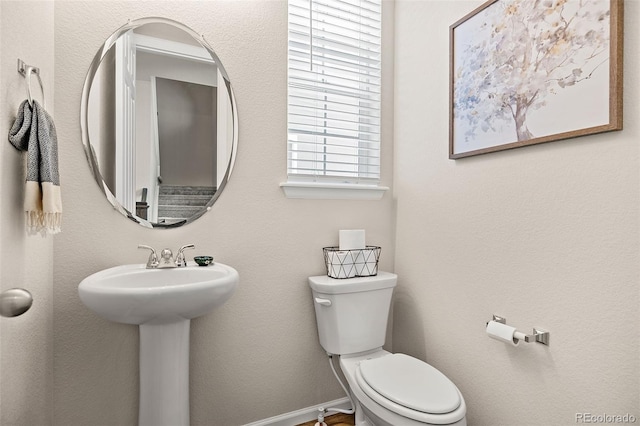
164	373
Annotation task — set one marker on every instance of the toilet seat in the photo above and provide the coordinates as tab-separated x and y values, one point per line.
411	388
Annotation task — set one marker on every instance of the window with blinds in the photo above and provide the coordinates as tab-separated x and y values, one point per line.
334	91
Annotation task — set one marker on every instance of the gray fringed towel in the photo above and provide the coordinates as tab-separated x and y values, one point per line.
34	132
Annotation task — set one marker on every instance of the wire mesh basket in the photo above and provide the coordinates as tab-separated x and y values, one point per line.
351	263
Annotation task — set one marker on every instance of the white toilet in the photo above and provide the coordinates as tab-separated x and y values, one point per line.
389	389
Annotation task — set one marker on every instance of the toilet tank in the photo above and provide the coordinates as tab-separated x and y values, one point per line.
352	313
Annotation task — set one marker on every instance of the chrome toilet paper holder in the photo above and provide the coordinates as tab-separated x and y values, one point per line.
539	335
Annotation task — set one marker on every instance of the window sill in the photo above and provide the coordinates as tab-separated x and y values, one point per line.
332	191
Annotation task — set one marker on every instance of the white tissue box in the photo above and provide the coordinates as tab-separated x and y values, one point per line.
351	239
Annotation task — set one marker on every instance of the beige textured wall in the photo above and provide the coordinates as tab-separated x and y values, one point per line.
258	355
26	350
546	236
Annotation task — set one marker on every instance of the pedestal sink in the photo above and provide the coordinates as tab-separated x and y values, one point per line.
162	302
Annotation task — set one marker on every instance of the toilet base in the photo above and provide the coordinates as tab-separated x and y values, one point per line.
361	418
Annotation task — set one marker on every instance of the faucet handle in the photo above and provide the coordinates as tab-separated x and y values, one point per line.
180	259
153	257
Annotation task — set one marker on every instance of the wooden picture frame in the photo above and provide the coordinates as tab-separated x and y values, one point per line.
525	72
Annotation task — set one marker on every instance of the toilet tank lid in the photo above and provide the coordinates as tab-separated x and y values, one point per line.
328	285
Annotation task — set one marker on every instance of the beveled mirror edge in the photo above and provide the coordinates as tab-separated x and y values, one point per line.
84	125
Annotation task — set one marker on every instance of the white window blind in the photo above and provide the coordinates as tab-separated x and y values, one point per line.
334	91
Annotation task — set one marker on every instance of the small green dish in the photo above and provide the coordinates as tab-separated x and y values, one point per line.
203	260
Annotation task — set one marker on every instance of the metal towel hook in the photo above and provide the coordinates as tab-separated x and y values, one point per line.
26	71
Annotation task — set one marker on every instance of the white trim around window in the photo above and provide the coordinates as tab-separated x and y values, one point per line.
332	191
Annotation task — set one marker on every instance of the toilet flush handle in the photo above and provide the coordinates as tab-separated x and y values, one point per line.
323	302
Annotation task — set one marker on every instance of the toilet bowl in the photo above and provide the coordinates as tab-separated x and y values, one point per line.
399	390
387	389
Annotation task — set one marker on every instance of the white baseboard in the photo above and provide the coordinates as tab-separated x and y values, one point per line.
303	415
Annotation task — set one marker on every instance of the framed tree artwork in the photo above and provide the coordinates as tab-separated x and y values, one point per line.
525	72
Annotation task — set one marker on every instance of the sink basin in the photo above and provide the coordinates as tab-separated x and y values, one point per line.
132	294
162	303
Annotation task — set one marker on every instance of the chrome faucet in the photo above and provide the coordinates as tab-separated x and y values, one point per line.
153	257
181	261
166	257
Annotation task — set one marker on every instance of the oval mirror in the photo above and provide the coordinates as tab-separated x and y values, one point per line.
159	123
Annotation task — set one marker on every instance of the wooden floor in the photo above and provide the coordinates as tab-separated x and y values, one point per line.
334	420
